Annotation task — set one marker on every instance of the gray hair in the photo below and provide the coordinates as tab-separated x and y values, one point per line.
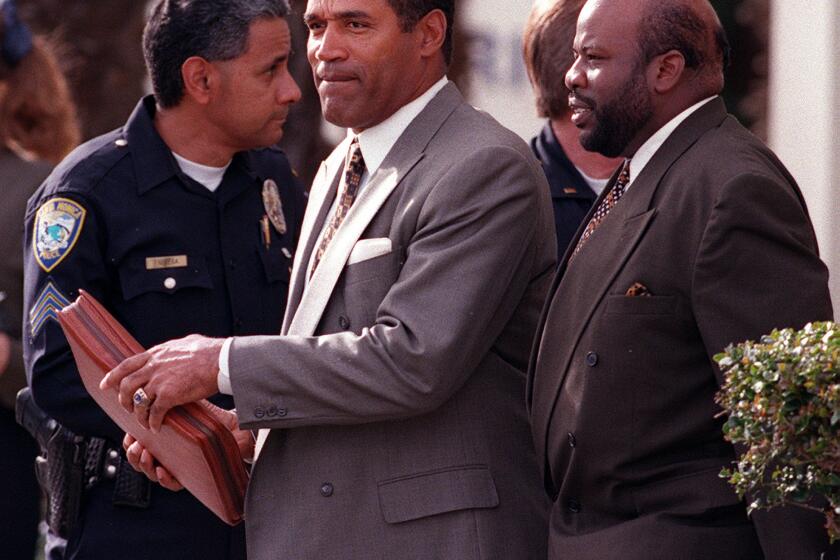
211	29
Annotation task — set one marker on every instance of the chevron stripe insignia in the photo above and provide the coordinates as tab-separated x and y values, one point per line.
46	307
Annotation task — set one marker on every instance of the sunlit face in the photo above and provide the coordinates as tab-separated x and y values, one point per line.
365	67
256	89
610	100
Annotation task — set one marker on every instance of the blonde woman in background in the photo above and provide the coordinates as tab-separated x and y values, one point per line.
38	127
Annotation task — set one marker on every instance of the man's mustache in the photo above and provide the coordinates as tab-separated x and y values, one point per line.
335	73
578	101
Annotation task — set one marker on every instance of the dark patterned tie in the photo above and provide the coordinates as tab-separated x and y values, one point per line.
607	204
354	168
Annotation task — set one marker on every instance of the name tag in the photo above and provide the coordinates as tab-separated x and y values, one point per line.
174	261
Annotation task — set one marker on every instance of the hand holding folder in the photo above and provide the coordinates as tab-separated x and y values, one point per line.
143	461
192	444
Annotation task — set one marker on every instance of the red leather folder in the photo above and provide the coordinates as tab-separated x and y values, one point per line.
192	444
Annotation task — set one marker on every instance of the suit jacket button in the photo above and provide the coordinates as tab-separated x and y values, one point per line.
573	506
572	440
592	359
272	411
259	412
281	412
344	322
327	489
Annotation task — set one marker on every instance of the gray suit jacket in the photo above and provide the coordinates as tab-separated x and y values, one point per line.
622	387
396	395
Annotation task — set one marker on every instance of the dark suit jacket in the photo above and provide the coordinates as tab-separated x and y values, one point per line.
395	396
571	195
621	388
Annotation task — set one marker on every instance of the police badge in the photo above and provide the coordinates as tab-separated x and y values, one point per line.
273	206
57	227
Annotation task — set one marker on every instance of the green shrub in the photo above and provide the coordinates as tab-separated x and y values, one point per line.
782	398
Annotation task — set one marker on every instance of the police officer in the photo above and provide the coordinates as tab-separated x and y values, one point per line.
576	177
179	222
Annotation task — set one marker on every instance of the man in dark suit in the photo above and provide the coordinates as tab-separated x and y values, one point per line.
394	395
575	176
701	240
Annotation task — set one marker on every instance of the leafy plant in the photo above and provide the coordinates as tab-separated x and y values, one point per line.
782	398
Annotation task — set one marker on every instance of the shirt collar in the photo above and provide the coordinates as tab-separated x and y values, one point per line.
644	154
154	163
378	140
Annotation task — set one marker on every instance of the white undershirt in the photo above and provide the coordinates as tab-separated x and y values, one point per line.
597	185
209	177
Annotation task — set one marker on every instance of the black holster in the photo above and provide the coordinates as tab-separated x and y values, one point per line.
70	464
64	483
61	466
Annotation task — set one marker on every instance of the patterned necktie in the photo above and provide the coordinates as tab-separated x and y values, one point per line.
354	168
607	204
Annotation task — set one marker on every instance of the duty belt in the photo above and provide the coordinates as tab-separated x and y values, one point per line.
103	462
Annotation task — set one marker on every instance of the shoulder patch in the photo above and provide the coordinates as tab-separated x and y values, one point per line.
58	224
47	305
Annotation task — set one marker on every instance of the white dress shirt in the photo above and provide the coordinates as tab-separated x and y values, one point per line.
375	143
647	150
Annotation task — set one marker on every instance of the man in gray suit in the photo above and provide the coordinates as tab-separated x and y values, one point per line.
394	395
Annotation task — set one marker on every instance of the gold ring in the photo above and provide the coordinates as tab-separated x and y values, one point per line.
141	398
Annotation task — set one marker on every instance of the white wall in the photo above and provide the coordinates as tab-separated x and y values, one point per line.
498	80
804	117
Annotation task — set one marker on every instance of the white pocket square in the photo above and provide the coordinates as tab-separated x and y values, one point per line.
366	249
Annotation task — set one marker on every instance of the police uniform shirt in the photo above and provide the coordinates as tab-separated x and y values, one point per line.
571	195
166	256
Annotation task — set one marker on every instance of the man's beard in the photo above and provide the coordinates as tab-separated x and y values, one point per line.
618	120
